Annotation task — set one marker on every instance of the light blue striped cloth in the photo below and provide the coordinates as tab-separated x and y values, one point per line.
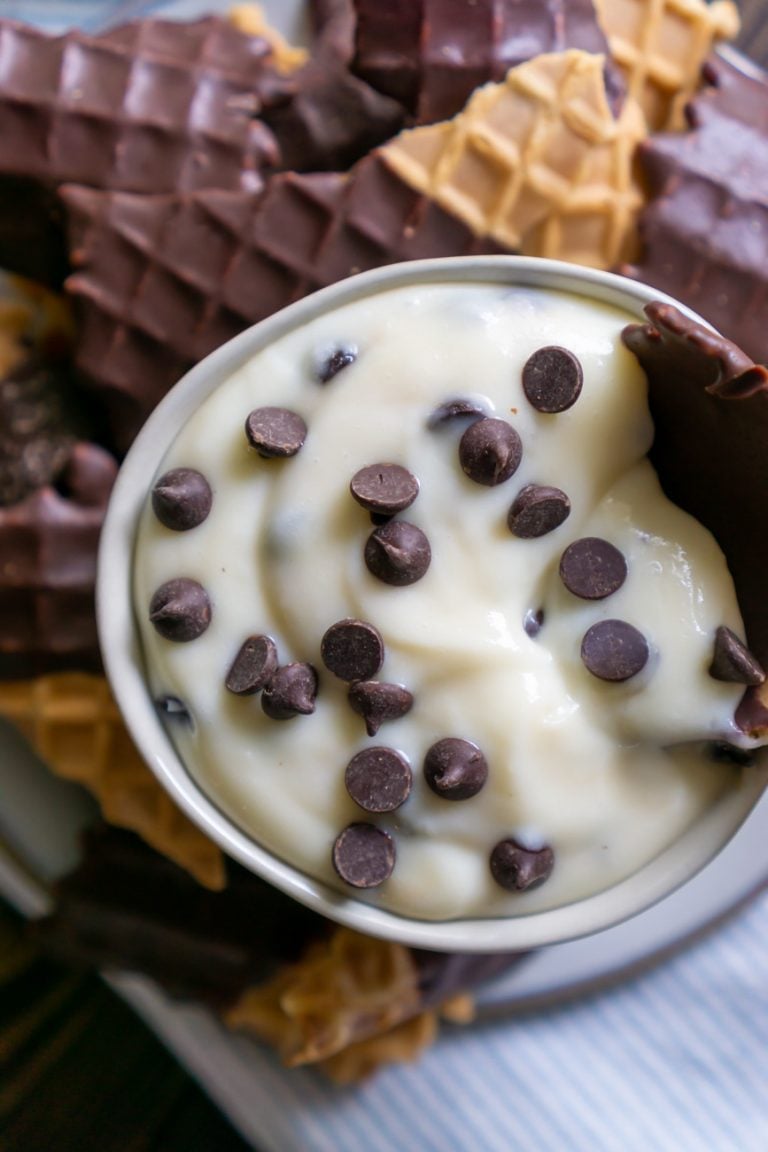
674	1061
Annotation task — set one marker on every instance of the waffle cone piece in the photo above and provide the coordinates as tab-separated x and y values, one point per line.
74	725
538	163
660	46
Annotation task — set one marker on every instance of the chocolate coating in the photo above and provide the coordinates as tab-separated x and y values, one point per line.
455	769
253	667
614	650
552	379
490	451
379	779
592	568
364	855
378	702
538	510
352	650
180	610
517	868
384	488
291	691
182	499
732	661
397	553
275	432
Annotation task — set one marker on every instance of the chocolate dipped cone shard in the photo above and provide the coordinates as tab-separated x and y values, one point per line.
127	906
705	230
537	163
251	20
702	381
74	725
660	46
431	54
161	281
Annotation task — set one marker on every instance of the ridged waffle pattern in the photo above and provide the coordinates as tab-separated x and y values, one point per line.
537	163
162	281
74	725
150	107
431	55
660	46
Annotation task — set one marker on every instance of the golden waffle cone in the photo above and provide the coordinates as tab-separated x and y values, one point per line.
660	46
73	723
538	163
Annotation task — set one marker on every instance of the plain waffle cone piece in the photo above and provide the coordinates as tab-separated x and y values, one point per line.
74	725
538	162
660	46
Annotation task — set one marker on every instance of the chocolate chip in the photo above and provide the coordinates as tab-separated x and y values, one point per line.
517	868
339	359
455	769
397	553
455	410
175	709
352	650
732	661
181	499
592	569
379	779
490	451
275	432
292	691
364	855
723	753
253	666
614	650
180	610
537	511
533	622
552	379
384	488
378	702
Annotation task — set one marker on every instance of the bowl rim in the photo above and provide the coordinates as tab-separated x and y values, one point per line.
123	660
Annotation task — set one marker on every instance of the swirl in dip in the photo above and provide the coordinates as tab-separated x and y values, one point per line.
420	617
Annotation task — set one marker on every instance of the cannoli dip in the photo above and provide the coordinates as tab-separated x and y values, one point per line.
419	618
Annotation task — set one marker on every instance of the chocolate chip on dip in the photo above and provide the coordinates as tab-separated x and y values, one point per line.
552	380
180	610
352	650
517	868
182	499
398	553
592	569
490	451
379	779
384	488
364	855
275	432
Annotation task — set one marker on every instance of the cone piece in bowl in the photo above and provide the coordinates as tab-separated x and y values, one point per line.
73	724
704	232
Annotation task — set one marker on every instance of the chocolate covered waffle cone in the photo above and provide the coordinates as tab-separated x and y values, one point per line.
151	106
431	54
538	163
660	46
74	725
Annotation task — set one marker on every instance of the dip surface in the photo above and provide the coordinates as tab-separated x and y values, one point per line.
487	640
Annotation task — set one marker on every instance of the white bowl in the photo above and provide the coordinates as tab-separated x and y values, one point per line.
123	658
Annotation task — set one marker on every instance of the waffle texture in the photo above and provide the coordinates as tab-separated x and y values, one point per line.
74	725
660	46
538	163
